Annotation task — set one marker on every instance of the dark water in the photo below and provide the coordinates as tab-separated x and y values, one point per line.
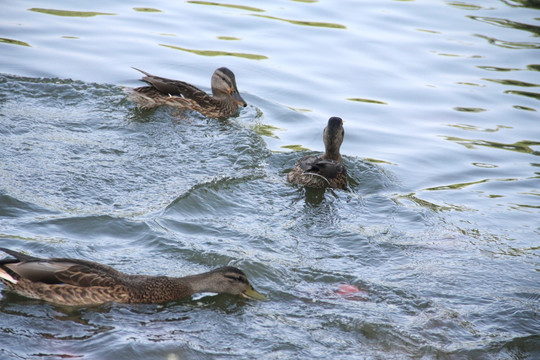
440	230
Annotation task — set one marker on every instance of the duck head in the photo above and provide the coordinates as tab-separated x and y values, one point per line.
333	138
228	280
224	86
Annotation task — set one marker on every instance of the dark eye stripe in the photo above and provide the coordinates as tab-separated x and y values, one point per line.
236	278
226	80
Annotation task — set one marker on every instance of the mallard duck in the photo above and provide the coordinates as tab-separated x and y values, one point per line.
162	91
81	282
326	170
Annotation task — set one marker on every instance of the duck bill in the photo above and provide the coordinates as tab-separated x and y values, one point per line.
251	293
238	99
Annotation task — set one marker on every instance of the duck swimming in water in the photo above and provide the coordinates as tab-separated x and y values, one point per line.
326	170
224	101
80	282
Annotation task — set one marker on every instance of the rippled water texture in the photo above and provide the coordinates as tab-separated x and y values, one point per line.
440	230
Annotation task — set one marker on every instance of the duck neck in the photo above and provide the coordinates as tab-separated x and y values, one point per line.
226	102
201	283
332	153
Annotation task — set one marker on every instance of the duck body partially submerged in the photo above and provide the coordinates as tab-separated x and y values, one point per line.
224	101
67	281
326	170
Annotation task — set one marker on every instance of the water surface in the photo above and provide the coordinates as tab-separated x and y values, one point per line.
439	230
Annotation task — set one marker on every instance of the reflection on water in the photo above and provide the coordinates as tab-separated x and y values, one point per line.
478	128
13	42
69	12
497	68
508	24
145	9
435	217
524	93
466	6
228	38
509	44
520	107
512	82
469	109
241	7
519	146
414	198
369	101
266	130
295	147
217	53
533	4
304	23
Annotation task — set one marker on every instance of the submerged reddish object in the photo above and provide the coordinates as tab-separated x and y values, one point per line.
347	290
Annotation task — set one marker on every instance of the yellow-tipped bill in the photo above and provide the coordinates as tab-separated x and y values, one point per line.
251	293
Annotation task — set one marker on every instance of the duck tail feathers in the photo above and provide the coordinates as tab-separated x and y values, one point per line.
6	277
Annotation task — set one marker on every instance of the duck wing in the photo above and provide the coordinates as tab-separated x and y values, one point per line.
306	163
175	87
58	271
316	165
328	168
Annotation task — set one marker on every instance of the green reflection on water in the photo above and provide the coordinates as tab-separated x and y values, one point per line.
519	107
13	42
507	24
228	38
69	12
297	109
429	31
511	82
509	44
266	130
295	147
461	185
458	55
478	128
469	84
217	53
445	54
70	37
369	101
469	109
484	165
495	68
304	23
523	146
423	203
463	5
145	9
524	93
378	161
241	7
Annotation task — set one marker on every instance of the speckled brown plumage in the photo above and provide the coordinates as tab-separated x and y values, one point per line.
79	282
163	91
326	170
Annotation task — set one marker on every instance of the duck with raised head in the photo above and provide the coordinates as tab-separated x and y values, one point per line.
224	101
78	282
326	170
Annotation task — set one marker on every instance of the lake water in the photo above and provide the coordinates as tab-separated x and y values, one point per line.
440	230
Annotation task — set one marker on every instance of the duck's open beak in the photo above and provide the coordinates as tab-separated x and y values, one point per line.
251	293
237	98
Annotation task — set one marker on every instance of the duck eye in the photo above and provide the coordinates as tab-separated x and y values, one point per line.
236	278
